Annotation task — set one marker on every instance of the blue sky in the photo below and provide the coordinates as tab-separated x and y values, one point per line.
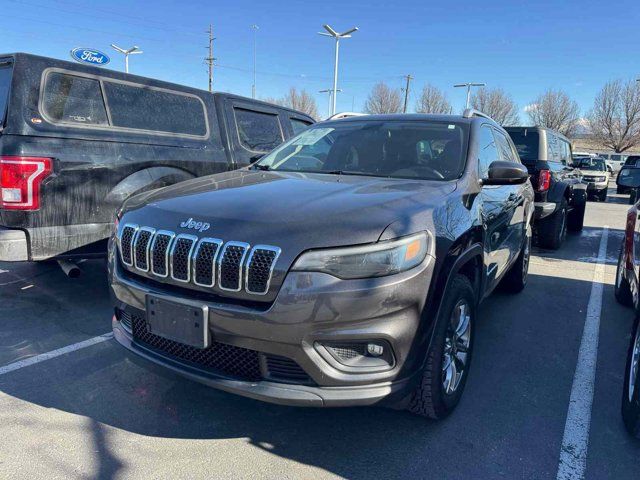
572	45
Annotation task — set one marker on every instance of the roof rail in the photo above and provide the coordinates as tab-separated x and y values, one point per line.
472	112
338	116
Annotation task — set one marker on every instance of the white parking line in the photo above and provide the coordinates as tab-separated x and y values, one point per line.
27	362
575	441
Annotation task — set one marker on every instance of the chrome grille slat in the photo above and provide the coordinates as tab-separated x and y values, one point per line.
127	235
260	265
230	266
159	257
180	257
141	244
204	261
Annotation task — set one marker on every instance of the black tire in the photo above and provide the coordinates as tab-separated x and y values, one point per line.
632	197
631	395
575	222
516	278
602	196
430	398
553	229
619	190
622	289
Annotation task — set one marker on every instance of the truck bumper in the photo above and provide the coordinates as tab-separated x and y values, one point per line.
543	209
312	313
13	245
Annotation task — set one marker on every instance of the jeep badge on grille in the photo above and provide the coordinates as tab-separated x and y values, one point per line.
193	225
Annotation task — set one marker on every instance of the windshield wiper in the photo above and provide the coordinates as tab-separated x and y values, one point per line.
257	166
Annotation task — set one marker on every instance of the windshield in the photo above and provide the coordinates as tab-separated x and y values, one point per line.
424	150
590	164
5	83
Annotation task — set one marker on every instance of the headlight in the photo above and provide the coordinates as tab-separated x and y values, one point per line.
376	260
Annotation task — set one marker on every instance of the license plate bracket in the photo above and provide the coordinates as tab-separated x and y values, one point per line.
179	322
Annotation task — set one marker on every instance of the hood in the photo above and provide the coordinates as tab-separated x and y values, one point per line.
285	209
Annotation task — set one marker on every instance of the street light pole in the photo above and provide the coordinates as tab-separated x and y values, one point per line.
468	86
337	36
131	51
255	29
330	92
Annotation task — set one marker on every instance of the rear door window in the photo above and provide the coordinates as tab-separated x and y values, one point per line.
258	131
73	99
151	109
5	85
299	126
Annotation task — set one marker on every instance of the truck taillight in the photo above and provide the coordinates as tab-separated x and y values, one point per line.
544	180
20	179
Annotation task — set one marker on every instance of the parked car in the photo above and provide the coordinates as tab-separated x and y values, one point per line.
615	160
595	175
632	161
626	293
560	195
626	180
343	268
77	140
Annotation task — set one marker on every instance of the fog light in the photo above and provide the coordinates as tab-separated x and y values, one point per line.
375	350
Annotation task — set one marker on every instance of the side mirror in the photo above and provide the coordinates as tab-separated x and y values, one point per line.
629	177
506	173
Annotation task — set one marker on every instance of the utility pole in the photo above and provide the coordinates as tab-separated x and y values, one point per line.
255	29
209	60
406	93
468	87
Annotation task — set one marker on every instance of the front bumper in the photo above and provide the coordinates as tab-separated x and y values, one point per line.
596	187
311	309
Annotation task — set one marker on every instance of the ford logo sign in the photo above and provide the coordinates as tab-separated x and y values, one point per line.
89	55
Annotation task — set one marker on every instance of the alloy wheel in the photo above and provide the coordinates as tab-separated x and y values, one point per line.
456	347
635	360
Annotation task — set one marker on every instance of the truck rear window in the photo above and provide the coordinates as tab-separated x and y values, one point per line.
258	131
5	84
526	142
105	103
71	99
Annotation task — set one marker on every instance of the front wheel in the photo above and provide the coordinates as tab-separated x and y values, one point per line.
622	289
631	391
449	357
602	196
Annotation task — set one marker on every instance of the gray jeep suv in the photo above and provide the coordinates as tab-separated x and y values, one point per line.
343	268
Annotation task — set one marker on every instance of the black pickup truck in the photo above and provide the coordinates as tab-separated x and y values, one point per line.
76	141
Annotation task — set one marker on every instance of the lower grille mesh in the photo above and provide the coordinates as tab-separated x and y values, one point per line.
218	358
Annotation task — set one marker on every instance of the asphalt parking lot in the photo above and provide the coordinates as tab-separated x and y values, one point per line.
94	413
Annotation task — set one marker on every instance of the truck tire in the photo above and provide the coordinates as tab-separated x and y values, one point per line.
631	391
447	366
622	289
553	229
575	222
516	278
602	196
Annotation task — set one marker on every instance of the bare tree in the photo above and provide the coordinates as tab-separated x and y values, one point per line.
554	109
497	104
301	101
433	100
383	99
615	117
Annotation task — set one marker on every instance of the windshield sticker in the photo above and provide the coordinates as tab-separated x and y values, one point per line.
311	137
